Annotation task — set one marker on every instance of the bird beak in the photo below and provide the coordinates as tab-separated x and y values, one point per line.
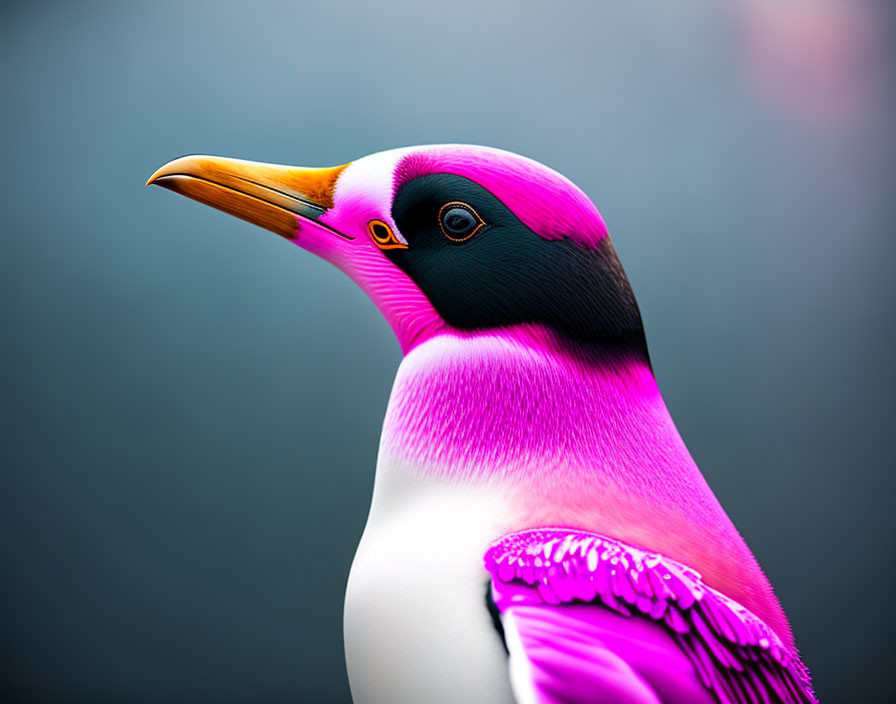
272	196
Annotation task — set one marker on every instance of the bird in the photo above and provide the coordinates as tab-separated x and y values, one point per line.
538	530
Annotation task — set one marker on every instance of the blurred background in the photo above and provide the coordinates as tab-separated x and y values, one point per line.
180	497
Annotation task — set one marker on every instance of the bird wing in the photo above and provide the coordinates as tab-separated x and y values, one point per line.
559	594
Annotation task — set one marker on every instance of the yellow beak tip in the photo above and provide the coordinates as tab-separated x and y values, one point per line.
184	164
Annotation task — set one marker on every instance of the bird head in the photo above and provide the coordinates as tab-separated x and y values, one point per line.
449	239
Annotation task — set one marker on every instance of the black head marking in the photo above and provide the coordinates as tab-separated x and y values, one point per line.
505	274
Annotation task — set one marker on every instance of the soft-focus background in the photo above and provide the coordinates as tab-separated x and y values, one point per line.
191	406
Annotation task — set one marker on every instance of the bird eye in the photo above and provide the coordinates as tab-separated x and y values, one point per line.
383	236
459	222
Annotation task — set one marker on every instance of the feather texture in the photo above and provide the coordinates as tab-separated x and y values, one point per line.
736	655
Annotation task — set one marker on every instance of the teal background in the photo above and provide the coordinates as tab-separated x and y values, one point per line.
191	406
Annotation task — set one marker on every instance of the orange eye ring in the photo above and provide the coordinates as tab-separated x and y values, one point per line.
463	206
382	235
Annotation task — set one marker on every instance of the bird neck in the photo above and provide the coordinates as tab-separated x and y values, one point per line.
523	406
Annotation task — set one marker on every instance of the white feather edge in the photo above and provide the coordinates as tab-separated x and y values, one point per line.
520	669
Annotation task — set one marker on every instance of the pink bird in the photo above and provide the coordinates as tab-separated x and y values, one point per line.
538	530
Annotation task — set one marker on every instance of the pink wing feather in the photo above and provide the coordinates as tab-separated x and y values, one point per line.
591	619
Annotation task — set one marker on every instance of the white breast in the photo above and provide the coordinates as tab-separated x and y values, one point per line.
416	625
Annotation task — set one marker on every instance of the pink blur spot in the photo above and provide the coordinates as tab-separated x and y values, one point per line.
812	60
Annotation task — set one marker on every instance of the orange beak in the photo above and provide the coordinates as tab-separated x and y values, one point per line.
272	196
